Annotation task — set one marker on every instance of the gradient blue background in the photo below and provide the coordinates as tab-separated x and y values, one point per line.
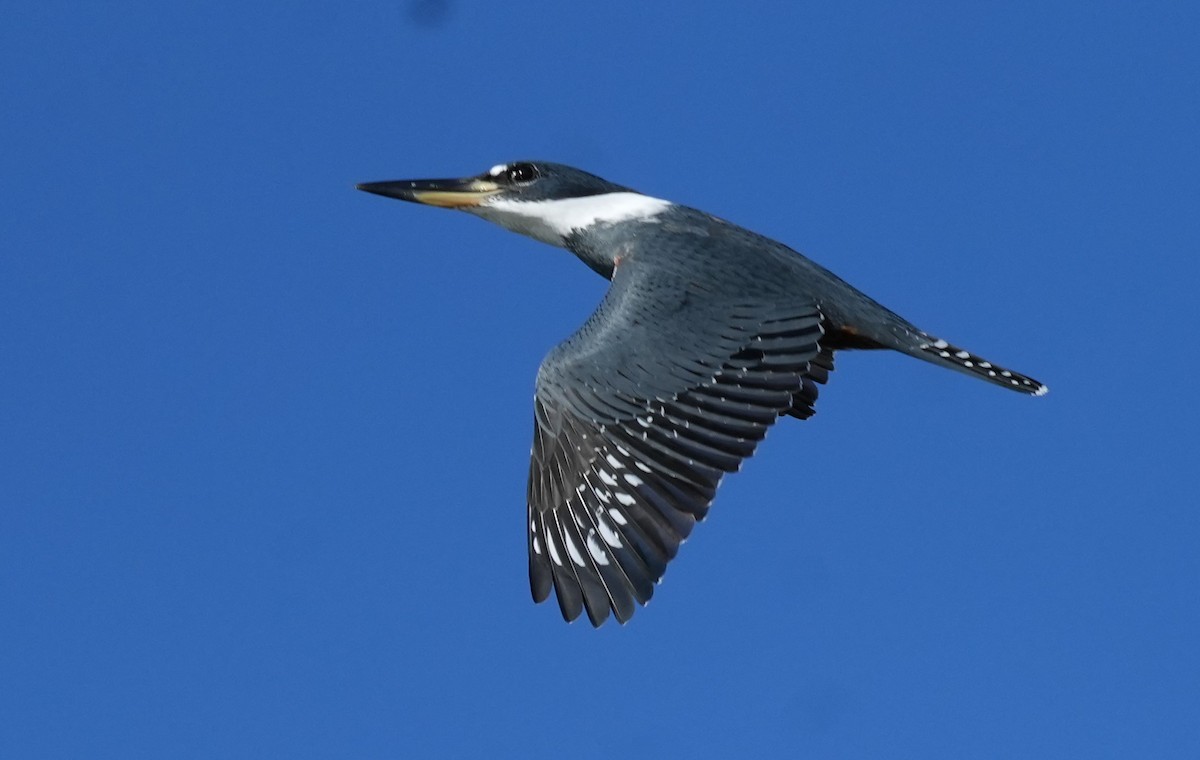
264	439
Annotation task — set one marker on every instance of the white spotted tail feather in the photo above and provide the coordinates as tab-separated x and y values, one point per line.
940	352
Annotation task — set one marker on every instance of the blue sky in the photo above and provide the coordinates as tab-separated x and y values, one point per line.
264	439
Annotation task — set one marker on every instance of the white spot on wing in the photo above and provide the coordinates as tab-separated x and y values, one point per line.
573	550
606	531
595	549
617	517
940	344
633	480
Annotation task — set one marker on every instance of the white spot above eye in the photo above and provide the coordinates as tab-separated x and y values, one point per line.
497	170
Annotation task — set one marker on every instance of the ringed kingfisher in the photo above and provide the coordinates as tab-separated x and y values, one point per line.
708	334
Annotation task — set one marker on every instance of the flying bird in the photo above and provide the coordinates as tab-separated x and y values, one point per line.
708	334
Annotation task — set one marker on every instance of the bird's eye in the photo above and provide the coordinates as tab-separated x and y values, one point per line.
522	173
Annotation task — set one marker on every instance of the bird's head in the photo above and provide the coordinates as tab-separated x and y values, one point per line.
543	200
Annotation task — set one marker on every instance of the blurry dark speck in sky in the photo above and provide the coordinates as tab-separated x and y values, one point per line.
429	13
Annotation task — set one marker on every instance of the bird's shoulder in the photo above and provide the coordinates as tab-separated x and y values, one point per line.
702	245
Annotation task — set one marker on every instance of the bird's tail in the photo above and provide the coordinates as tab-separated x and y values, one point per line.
940	352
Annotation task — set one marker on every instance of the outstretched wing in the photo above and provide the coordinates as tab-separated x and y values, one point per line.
667	387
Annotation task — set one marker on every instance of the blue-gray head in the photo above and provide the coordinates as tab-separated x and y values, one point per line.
543	200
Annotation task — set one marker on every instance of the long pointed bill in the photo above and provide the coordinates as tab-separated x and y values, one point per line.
447	193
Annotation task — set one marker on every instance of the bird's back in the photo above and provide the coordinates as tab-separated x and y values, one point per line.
741	263
736	263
